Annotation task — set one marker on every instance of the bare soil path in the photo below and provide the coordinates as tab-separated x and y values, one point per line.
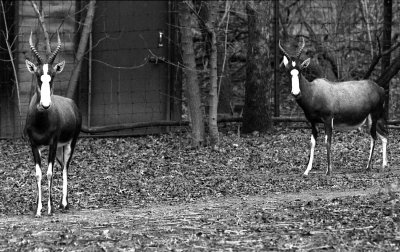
212	224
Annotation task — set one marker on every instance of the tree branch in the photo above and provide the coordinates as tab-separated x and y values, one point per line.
9	49
40	16
376	59
87	29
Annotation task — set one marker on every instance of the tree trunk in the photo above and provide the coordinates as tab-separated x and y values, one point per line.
256	109
225	92
224	81
192	81
211	27
386	44
390	72
87	29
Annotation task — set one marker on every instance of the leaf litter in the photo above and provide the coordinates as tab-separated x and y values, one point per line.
157	193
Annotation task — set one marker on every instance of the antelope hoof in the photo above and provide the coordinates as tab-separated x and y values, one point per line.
38	213
64	208
384	168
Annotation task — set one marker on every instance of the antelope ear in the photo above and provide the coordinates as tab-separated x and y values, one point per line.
305	63
59	66
31	67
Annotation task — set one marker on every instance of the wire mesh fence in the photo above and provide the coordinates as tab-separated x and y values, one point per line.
342	38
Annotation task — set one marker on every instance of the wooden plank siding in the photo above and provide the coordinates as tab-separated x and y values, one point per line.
125	34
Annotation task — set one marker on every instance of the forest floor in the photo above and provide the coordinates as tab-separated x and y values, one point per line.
156	193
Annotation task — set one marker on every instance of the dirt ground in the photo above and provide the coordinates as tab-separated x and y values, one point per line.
214	224
154	193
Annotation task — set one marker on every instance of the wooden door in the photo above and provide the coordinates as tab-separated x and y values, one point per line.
124	88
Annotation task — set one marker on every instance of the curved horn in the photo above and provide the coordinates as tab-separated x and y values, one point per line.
283	50
39	59
302	44
54	54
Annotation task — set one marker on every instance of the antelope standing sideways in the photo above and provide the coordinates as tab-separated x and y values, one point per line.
53	121
337	104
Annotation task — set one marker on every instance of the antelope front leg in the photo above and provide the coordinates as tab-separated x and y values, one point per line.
65	155
313	143
311	159
52	157
38	175
328	142
384	151
371	151
39	186
50	183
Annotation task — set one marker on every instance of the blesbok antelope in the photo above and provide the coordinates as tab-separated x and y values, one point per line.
345	104
53	121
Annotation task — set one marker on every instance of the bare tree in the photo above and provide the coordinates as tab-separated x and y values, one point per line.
87	29
211	26
386	44
40	16
192	81
6	35
256	109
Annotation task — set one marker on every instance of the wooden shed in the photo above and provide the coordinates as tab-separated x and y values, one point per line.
128	75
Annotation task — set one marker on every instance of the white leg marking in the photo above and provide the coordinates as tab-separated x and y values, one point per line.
39	183
369	119
384	151
310	162
67	154
65	187
49	180
370	151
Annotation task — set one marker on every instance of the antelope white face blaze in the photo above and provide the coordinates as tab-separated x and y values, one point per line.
45	92
285	61
295	82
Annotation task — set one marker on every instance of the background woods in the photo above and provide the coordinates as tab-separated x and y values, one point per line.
346	41
225	50
146	67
